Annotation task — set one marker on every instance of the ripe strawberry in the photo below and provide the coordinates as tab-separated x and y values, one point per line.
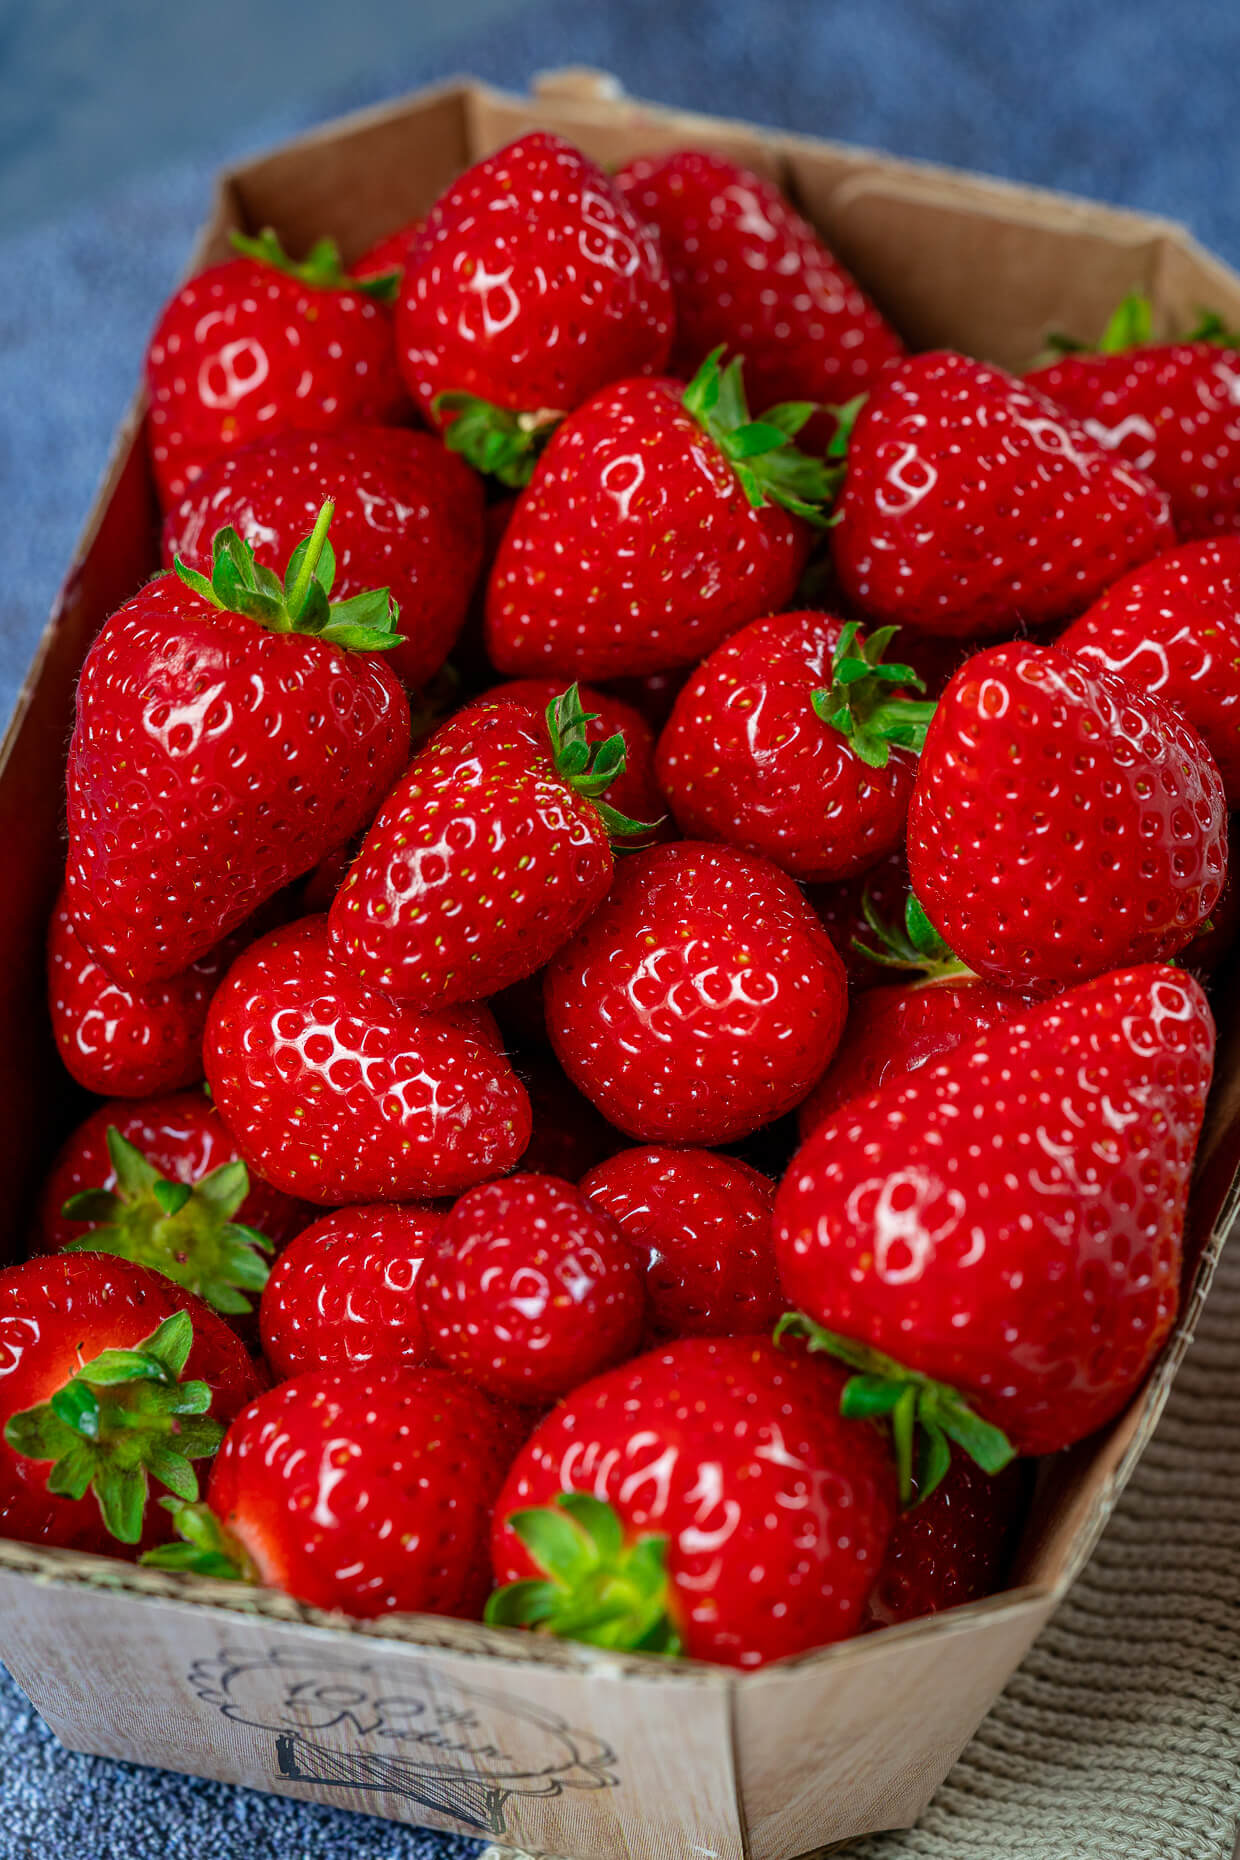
995	1243
1173	627
652	694
388	256
952	1548
748	272
634	792
781	742
367	1489
345	1292
569	1136
485	858
1063	822
532	286
701	1224
228	735
261	344
853	913
339	1094
709	1500
973	505
659	520
117	1377
700	1001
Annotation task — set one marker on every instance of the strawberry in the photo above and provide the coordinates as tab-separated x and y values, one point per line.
260	344
706	1499
700	1001
339	1094
363	1488
952	1548
387	257
701	1224
228	735
116	1377
408	516
973	505
531	286
1063	822
782	741
344	1291
995	1242
651	694
1173	627
852	912
659	520
569	1136
634	792
528	1289
486	857
748	272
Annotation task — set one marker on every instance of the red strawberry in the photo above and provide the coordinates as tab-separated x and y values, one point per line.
973	505
710	1500
850	910
260	344
531	287
143	1379
634	792
781	742
747	271
659	520
1173	627
344	1291
995	1243
651	694
388	255
701	1000
569	1135
952	1548
218	754
1063	822
701	1223
339	1094
408	516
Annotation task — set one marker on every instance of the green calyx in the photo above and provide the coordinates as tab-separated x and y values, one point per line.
588	767
184	1230
320	268
927	1418
861	702
1131	326
121	1420
301	603
206	1549
914	946
761	452
594	1587
494	440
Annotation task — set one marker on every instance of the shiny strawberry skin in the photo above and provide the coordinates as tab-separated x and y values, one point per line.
408	516
701	1223
954	1546
635	792
1173	627
366	1488
529	1289
532	285
481	863
746	759
339	1094
776	1511
701	1000
1009	1220
344	1291
245	351
1063	822
634	548
213	760
972	505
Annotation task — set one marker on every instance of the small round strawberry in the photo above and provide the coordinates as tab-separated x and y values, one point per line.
701	1223
659	520
569	1136
634	792
1063	821
782	742
702	1000
952	1548
344	1291
110	1377
855	911
338	1094
706	1499
387	257
972	505
260	344
531	286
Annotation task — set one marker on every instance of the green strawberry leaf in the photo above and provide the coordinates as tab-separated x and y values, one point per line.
767	465
321	268
859	703
590	768
496	442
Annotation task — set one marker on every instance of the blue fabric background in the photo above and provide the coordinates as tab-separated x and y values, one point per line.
1132	103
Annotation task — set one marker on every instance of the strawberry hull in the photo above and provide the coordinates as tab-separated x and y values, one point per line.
540	1745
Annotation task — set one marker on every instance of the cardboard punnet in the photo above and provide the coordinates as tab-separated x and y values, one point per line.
550	1746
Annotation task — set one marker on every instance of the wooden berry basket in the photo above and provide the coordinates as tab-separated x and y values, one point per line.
546	1745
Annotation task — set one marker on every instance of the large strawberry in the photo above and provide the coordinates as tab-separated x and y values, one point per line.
1063	822
973	505
707	1499
229	733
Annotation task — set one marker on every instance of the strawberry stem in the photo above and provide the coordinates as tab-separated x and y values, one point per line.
596	1586
590	768
495	441
859	703
310	558
916	947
